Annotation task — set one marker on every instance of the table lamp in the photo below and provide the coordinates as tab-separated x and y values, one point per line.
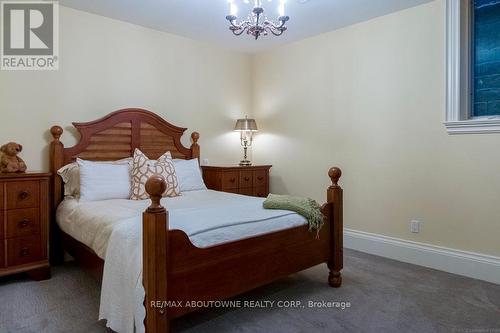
246	127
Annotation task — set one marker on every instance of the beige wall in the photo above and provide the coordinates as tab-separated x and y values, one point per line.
107	65
370	99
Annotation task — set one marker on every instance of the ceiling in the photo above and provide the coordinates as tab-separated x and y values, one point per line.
205	19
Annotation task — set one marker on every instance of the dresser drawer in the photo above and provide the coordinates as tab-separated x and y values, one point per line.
23	222
246	179
23	194
259	178
23	250
230	180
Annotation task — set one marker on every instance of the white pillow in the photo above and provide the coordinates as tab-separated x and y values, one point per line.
103	181
70	174
189	175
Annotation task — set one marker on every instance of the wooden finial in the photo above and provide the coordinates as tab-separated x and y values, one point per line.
335	174
195	147
195	136
156	186
56	132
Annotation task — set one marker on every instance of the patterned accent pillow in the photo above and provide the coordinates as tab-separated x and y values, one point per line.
143	168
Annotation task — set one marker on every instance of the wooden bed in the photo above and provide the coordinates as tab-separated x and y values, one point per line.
173	268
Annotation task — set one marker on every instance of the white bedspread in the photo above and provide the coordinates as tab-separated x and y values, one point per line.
113	229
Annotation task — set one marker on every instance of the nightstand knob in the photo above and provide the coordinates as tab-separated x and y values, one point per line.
260	178
232	180
23	223
24	195
25	251
246	178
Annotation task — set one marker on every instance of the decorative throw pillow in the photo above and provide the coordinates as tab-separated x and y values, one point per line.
143	168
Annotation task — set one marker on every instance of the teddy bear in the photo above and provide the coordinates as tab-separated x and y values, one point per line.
9	161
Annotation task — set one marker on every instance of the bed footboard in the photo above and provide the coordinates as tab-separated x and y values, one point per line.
176	272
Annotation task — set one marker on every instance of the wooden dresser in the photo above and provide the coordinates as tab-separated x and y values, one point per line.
247	180
24	224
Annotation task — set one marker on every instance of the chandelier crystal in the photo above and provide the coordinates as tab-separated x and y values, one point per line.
257	24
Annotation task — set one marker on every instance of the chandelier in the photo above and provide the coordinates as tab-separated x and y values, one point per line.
257	23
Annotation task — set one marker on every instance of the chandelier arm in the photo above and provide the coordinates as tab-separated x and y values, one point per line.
274	25
240	31
235	24
239	27
276	32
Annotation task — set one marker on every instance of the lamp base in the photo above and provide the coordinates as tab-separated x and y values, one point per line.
245	163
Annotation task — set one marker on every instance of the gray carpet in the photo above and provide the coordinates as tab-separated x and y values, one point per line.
385	296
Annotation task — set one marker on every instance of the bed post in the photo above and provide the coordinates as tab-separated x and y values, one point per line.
155	258
334	199
195	147
56	254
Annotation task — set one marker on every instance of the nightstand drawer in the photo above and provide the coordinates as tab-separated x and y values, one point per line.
2	232
23	250
1	196
247	191
260	191
246	179
2	254
230	180
23	222
23	194
259	178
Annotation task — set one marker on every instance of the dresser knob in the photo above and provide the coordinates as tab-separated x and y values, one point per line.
25	251
246	179
232	180
260	178
24	195
23	223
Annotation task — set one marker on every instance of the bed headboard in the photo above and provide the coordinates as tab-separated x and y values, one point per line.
115	137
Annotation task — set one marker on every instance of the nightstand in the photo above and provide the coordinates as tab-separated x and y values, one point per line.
24	224
246	180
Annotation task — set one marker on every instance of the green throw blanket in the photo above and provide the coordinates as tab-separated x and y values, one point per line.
306	207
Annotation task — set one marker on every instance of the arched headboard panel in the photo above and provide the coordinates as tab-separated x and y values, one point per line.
116	136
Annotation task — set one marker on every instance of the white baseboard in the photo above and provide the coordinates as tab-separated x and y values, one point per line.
474	265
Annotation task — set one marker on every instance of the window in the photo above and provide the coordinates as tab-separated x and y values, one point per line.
486	58
473	66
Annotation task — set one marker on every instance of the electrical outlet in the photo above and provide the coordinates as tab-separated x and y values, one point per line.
206	161
415	225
